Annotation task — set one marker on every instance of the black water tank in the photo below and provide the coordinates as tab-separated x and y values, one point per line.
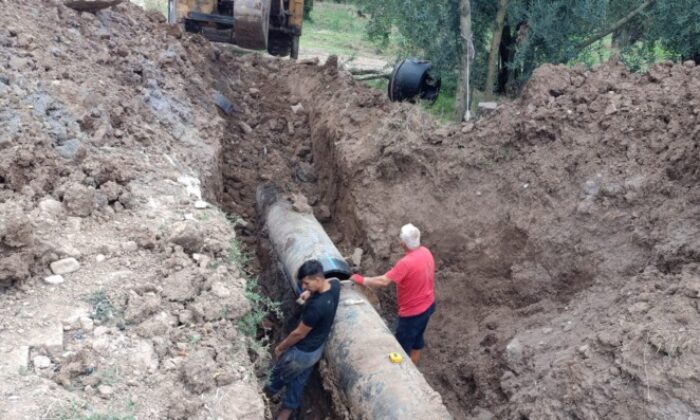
411	79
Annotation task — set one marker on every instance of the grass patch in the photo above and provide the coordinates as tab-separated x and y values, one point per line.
339	29
75	410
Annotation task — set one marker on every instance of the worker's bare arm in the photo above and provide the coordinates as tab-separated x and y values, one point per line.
294	337
378	281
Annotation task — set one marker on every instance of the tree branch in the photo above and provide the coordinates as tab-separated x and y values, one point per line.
365	77
617	25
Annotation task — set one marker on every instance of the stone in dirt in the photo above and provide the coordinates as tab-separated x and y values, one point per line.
187	235
130	246
105	391
50	208
65	266
41	362
357	257
80	200
55	279
323	213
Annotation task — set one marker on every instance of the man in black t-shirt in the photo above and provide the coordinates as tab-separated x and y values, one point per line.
298	353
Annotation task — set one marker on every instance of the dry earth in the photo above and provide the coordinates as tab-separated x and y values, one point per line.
564	224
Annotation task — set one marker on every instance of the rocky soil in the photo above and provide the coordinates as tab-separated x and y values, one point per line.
564	224
122	289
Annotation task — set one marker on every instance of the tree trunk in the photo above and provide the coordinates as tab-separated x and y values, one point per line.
506	50
467	53
493	54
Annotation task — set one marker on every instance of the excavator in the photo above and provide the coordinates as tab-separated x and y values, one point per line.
272	25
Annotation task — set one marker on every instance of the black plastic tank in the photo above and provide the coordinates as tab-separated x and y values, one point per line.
411	79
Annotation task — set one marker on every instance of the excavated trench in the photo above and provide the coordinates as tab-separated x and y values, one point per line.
532	252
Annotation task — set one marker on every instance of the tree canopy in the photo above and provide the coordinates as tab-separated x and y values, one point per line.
537	32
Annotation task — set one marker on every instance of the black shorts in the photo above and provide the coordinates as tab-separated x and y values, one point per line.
410	329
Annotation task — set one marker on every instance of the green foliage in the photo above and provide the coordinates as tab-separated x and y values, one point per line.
261	307
102	308
555	32
674	26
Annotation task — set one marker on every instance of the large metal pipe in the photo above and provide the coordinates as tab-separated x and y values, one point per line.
357	351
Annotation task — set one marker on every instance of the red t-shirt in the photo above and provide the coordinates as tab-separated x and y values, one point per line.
414	275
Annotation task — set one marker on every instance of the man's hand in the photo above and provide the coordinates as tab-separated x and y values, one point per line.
304	297
358	278
278	351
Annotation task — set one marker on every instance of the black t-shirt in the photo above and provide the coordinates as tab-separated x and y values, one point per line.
319	313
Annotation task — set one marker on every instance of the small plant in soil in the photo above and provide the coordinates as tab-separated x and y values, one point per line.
102	308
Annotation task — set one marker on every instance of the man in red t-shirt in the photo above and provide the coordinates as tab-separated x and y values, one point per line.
414	275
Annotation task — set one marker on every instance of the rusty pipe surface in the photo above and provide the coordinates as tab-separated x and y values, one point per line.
357	350
297	237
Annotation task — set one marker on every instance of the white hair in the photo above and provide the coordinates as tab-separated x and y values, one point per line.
410	236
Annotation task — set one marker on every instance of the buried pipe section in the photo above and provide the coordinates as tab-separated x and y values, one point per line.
358	348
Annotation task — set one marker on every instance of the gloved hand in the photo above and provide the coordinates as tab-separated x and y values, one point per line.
358	278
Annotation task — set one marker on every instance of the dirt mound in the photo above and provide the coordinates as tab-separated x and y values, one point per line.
562	224
118	275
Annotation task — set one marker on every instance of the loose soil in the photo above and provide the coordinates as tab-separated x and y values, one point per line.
564	224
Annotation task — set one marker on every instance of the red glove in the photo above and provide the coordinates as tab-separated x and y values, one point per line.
358	278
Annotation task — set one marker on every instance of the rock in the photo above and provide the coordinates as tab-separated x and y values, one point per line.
86	323
323	213
65	266
187	235
610	338
80	200
41	362
357	257
300	205
514	351
50	209
130	246
101	344
68	149
185	316
105	391
297	108
55	279
218	289
111	190
100	331
245	127
584	351
99	258
305	172
200	204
